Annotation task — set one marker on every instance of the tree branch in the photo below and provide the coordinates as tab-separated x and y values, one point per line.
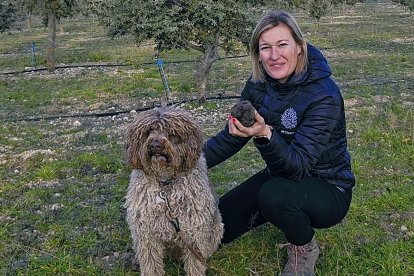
197	47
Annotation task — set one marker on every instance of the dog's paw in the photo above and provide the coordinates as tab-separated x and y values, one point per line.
244	112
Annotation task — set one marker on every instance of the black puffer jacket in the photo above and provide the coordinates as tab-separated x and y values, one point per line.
309	129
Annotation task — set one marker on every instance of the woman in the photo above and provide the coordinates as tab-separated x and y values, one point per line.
300	133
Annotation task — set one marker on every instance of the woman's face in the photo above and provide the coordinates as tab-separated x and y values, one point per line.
278	52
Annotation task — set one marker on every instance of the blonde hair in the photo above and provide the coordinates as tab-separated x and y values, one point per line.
268	21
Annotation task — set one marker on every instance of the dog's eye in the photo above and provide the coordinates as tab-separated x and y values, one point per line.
149	130
174	139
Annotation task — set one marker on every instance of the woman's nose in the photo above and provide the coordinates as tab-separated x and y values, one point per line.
274	53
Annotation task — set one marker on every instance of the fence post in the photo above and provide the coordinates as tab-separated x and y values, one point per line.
164	79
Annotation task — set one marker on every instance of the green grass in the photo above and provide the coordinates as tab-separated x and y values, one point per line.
63	180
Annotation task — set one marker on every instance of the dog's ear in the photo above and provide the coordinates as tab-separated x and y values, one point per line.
136	134
194	141
196	147
131	148
134	138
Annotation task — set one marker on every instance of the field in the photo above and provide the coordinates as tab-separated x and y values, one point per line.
63	179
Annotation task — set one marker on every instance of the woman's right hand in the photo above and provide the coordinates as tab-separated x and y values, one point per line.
259	128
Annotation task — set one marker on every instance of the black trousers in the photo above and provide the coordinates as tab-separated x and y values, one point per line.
295	207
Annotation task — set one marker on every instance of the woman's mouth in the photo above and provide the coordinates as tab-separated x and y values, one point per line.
277	65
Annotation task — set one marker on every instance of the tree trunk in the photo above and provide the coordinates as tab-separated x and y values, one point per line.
51	27
29	20
210	56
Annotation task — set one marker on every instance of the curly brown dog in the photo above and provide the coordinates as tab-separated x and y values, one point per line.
170	200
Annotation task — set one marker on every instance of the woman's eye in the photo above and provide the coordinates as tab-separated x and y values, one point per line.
282	45
264	48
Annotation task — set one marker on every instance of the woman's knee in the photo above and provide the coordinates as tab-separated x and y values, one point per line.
272	198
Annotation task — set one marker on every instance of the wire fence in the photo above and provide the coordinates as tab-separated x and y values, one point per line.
170	67
35	68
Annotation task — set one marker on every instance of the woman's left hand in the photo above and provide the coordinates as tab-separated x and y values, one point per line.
259	128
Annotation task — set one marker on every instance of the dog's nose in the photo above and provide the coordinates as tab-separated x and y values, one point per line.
155	145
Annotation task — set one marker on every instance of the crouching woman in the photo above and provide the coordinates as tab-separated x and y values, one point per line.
300	132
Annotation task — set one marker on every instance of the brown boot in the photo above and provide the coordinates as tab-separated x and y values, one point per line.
301	259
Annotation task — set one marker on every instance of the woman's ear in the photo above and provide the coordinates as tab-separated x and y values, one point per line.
299	49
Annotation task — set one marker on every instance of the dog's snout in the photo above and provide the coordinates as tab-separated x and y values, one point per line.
155	145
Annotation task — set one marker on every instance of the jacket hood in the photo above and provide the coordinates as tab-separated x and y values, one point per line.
318	68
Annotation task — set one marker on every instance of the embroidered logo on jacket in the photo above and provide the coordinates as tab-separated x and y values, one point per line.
289	118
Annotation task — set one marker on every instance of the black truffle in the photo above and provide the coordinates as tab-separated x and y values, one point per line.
244	112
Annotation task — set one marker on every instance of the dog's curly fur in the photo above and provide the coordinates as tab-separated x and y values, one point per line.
164	145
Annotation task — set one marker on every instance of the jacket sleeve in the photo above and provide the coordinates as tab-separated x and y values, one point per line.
222	146
294	160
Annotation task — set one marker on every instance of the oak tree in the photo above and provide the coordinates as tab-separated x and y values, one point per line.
51	11
204	25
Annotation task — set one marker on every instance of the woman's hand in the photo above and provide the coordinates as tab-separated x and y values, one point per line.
258	129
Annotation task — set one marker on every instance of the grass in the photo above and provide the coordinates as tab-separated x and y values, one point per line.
63	180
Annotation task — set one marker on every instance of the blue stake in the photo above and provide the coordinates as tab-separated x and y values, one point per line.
33	55
164	79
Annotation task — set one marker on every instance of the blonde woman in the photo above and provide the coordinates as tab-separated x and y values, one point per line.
300	132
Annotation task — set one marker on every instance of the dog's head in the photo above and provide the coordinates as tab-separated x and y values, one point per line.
163	142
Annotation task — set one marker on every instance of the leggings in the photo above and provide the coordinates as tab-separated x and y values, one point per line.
295	207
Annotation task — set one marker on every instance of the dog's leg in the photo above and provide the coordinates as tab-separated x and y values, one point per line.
150	256
192	266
